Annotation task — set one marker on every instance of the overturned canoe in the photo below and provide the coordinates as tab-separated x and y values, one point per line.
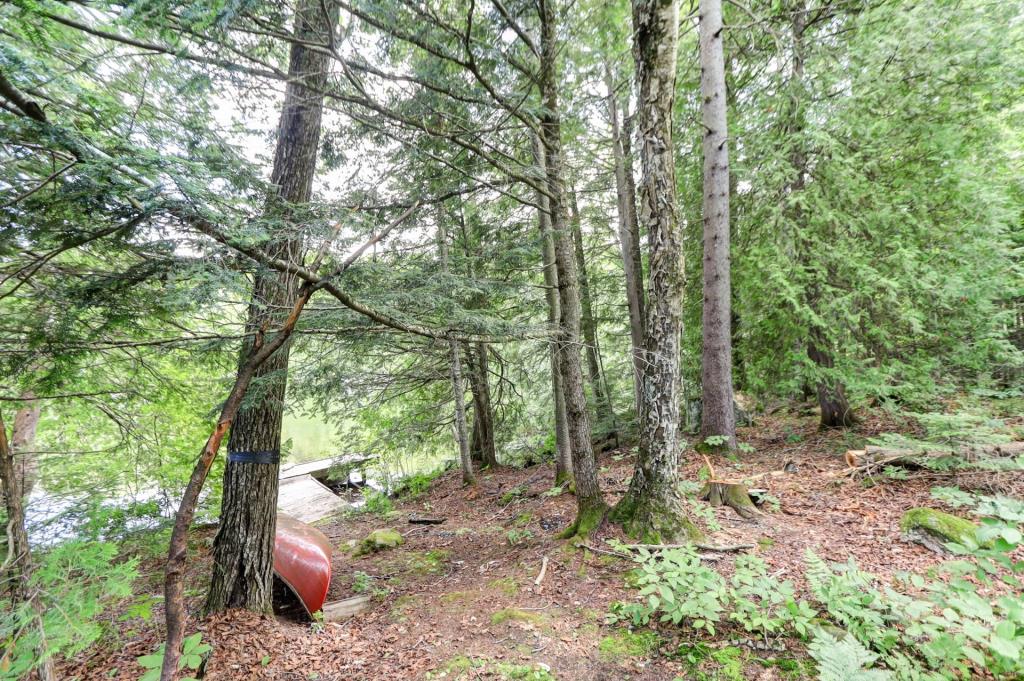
302	559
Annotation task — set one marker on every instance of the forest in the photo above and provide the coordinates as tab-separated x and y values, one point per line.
512	339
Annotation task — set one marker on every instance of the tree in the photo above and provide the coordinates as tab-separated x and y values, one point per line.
17	566
590	504
717	417
651	506
243	548
629	234
563	450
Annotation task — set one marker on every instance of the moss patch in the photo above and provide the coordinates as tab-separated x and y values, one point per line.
459	597
400	610
515	615
523	519
624	644
513	494
940	525
428	562
462	667
379	540
505	585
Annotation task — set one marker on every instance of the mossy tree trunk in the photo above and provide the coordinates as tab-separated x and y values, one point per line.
243	561
651	507
602	399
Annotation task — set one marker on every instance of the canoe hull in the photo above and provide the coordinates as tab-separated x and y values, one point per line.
302	559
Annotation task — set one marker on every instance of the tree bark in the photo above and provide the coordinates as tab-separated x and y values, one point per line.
835	408
629	238
244	545
590	504
476	450
481	388
459	391
651	507
605	415
23	440
17	565
718	419
563	451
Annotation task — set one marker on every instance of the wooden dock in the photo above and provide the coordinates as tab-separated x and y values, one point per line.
302	496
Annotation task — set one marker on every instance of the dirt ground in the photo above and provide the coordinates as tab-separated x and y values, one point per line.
459	600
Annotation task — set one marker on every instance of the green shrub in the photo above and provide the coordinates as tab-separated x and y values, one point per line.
75	583
676	584
376	502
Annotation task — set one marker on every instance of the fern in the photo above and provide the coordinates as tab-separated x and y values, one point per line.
844	659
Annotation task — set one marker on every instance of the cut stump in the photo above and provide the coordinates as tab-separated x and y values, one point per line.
731	494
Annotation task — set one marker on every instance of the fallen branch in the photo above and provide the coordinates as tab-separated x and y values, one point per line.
705	547
627	556
543	571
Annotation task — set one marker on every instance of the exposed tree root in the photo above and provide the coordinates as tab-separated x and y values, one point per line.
654	519
588	519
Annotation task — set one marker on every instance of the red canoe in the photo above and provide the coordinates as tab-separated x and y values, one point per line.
302	559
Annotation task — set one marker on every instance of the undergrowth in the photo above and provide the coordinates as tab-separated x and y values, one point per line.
919	628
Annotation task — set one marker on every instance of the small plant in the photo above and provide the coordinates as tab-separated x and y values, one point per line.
689	490
513	494
193	651
376	502
417	484
516	536
362	582
763	604
317	625
844	659
676	584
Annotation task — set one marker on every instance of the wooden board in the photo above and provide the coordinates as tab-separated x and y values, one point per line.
341	610
305	498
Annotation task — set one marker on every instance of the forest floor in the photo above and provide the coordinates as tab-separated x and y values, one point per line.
460	600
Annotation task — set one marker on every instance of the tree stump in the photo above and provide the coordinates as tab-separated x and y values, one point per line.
732	494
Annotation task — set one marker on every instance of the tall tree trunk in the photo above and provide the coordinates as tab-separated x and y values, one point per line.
486	409
476	448
717	418
590	504
835	409
243	548
176	615
17	564
455	373
629	238
482	444
23	440
651	507
604	412
459	392
563	451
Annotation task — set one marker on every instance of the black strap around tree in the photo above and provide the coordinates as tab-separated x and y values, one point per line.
271	457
